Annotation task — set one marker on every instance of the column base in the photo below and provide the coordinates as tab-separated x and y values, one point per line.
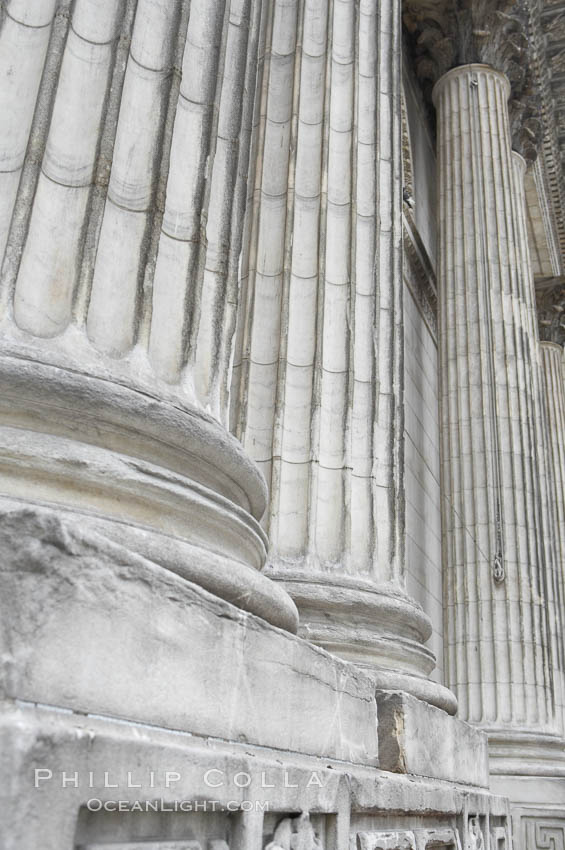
529	769
378	628
516	753
159	477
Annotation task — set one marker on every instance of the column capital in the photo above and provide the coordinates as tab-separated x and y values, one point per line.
550	298
447	34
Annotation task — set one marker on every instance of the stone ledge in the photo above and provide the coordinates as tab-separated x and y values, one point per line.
52	817
88	626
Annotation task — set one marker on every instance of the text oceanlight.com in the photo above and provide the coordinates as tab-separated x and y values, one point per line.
160	805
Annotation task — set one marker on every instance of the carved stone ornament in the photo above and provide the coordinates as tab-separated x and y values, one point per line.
476	839
444	34
295	834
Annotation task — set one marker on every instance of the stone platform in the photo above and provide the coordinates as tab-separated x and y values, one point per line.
171	720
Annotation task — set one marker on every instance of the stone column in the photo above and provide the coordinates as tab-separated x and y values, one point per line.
121	229
554	390
543	434
498	546
317	391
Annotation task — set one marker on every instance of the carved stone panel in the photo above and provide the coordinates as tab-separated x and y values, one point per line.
416	839
293	832
543	833
498	838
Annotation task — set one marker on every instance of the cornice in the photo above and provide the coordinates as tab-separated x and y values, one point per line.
419	273
549	151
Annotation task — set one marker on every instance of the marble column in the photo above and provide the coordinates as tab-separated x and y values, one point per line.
317	389
125	165
554	387
543	436
499	556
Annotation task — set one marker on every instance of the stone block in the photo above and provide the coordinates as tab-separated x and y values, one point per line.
89	626
419	739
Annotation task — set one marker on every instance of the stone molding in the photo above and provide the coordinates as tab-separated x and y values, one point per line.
550	155
419	274
375	626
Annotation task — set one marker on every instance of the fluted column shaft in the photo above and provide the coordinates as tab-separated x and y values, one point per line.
124	154
498	565
317	389
541	429
553	372
553	386
310	388
115	229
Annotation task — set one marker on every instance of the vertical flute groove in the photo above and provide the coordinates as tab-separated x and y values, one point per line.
51	257
123	239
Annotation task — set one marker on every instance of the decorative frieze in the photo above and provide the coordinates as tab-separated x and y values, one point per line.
419	275
413	839
543	833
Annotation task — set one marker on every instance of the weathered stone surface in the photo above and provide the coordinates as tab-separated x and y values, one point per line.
156	476
380	629
172	768
91	627
417	738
